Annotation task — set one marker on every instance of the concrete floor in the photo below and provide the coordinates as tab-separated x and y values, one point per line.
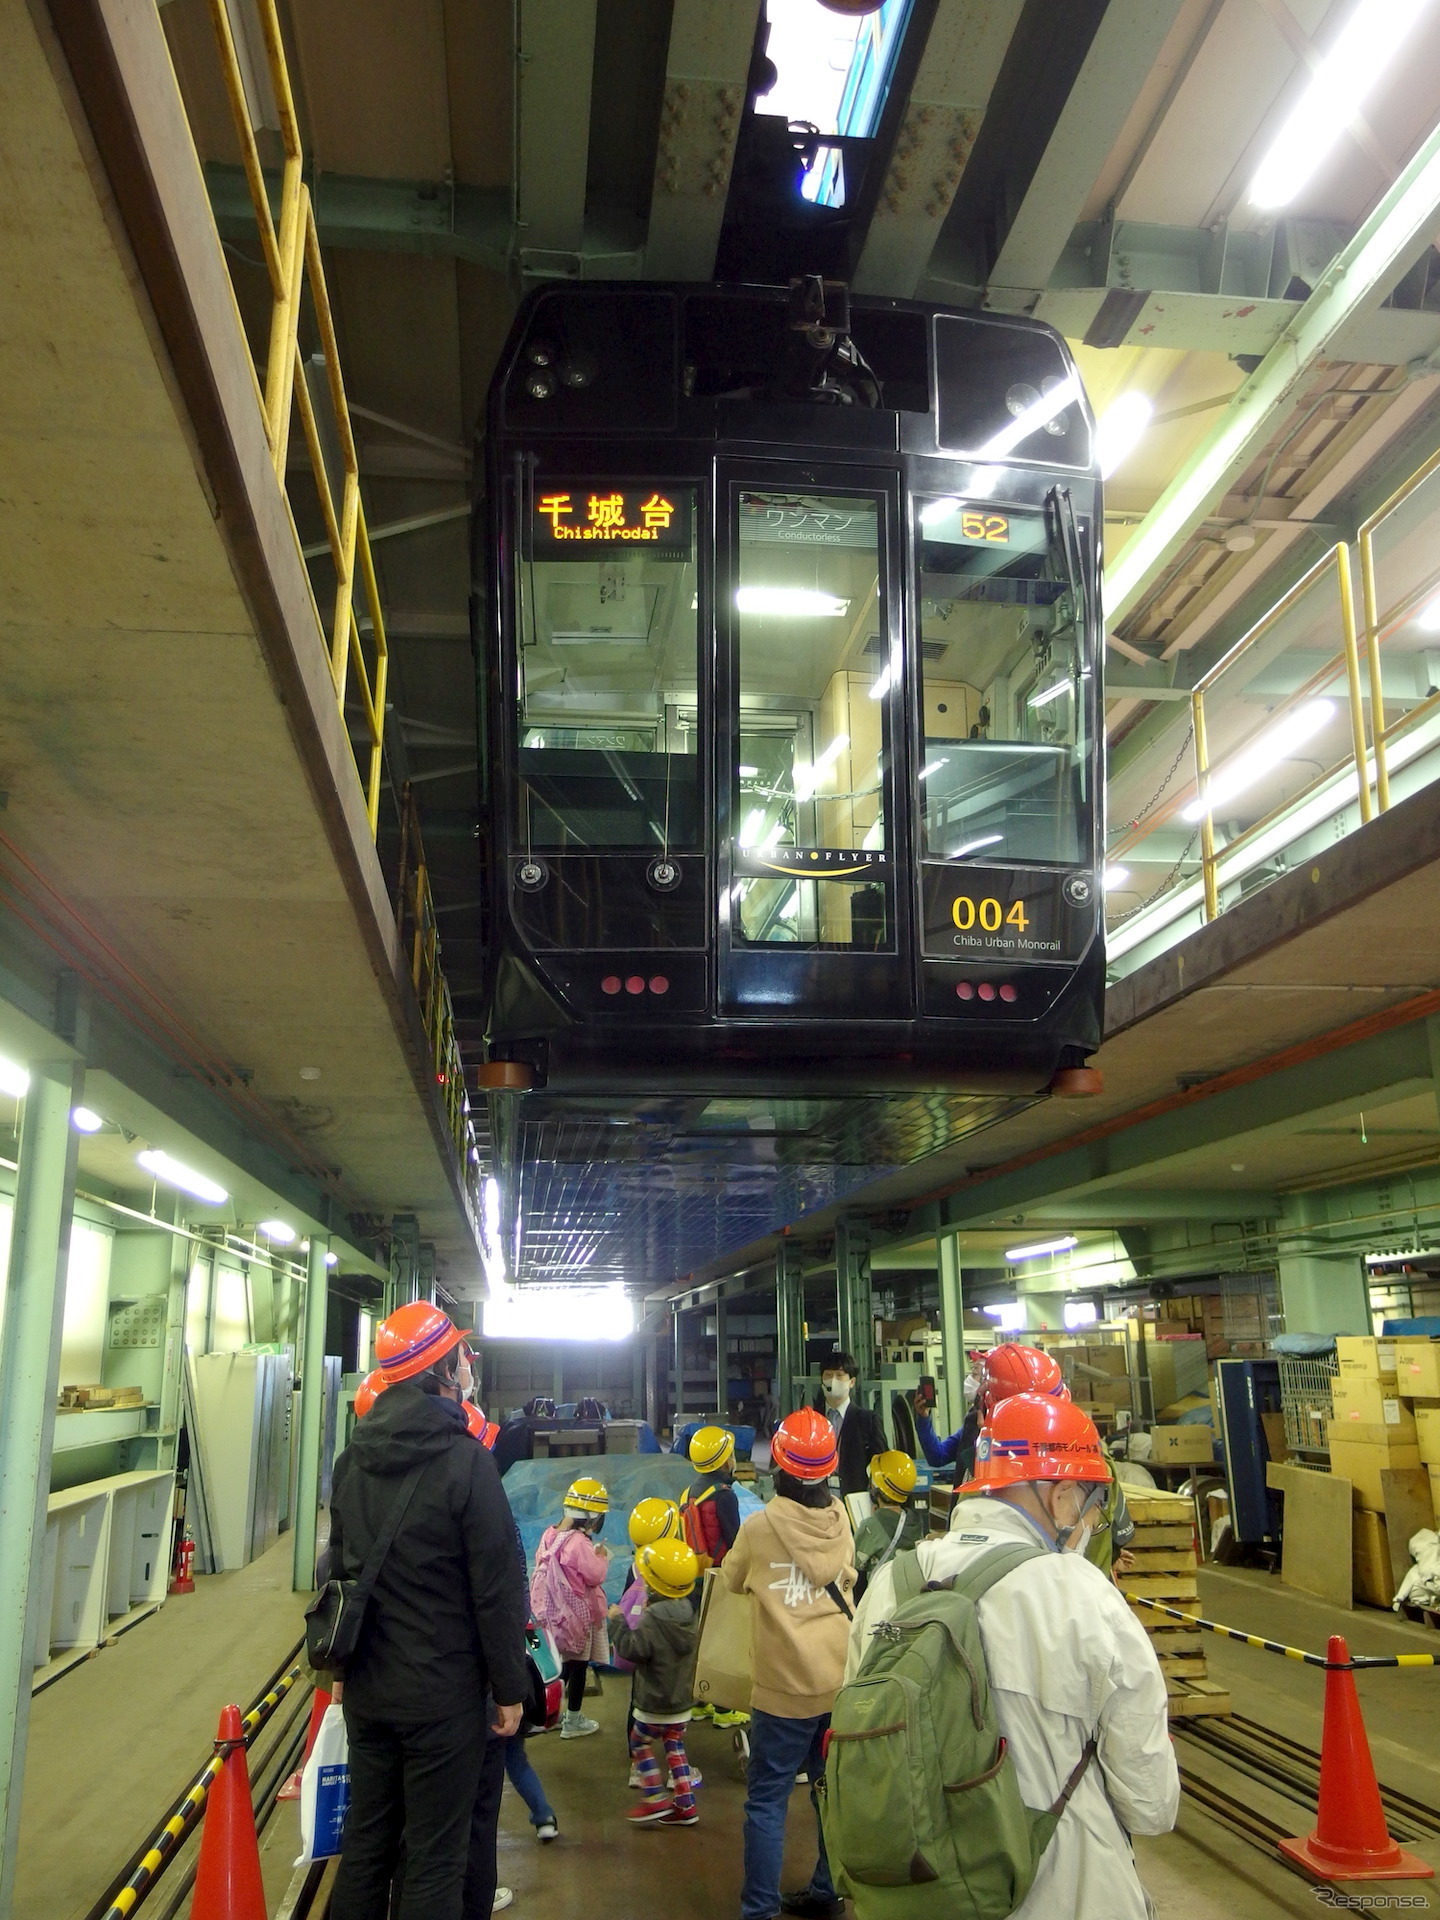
85	1808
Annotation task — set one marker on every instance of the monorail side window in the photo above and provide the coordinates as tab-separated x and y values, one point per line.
813	689
607	675
1003	666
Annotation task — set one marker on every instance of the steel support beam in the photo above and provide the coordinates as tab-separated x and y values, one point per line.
677	1330
722	1377
1320	1292
952	1325
1365	270
789	1327
853	1298
312	1413
1116	68
705	73
32	1315
1100	1206
554	59
957	72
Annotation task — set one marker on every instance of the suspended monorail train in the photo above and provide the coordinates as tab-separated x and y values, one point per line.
788	618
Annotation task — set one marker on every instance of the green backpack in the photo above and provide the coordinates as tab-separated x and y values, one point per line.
920	1803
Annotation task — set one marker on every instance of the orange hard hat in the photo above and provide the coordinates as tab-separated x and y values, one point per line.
804	1445
1016	1369
481	1429
368	1392
1035	1436
413	1339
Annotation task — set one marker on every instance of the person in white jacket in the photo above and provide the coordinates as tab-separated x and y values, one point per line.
1068	1660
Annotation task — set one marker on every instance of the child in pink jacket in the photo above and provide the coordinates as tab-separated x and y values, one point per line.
567	1595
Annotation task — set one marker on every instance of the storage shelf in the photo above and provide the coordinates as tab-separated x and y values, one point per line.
97	1426
106	1561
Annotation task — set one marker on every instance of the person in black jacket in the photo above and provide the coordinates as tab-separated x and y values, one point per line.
443	1635
858	1432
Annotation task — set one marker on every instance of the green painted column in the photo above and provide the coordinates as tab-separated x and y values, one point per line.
312	1410
952	1324
789	1327
1320	1292
32	1316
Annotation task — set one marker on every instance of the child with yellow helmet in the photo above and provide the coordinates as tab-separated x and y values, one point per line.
892	1526
660	1645
567	1595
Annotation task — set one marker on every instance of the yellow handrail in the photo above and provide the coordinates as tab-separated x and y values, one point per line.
293	263
1394	615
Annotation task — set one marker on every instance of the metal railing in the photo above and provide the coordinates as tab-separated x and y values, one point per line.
292	262
1379	628
419	931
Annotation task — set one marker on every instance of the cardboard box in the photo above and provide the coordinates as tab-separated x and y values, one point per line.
1369	1358
1427	1434
1362	1463
1357	1402
1192	1446
1435	1490
1417	1368
1374	1580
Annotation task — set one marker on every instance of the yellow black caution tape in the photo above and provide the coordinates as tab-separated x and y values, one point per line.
1291	1653
191	1805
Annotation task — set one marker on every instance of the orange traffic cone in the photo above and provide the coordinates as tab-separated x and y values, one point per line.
320	1701
1351	1840
228	1885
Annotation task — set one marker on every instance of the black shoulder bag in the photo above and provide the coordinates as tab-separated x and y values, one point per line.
335	1616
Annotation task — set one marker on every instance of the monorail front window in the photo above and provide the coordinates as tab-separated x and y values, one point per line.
607	668
812	726
1003	664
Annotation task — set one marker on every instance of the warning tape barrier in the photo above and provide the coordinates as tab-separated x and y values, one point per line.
1350	1665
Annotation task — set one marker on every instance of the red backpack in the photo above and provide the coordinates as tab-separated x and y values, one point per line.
701	1524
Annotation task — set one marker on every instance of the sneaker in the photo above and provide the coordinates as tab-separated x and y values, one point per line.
503	1897
575	1726
649	1811
675	1818
637	1779
808	1905
547	1830
731	1717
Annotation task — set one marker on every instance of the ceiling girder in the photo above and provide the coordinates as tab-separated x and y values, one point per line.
706	70
1390	239
963	53
554	58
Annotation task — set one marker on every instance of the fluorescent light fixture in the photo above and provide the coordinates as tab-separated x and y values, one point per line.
1259	758
753	827
560	1313
332	1259
974	846
1365	46
791	603
1115	876
1009	1316
175	1174
85	1120
14	1080
932	766
807	779
1428	618
1050	693
1120	430
1038	414
277	1231
1081	1313
1037	1249
748	773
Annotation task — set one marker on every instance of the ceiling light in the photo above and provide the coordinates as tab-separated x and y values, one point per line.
1032	418
174	1174
1115	876
14	1080
1037	1248
807	779
1050	693
974	846
748	773
1009	1316
1428	618
1120	429
1366	44
332	1259
277	1231
85	1120
1259	758
792	603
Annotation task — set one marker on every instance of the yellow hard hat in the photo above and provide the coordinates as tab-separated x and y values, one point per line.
654	1519
711	1448
892	1474
668	1567
586	1496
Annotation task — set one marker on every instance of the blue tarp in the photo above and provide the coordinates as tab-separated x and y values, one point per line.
744	1436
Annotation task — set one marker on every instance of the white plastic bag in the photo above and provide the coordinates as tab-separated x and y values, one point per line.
325	1790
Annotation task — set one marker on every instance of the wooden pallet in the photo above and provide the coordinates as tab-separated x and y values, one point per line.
1165	1565
1189	1698
1423	1616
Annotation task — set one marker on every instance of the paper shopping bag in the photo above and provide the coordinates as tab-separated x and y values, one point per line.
722	1665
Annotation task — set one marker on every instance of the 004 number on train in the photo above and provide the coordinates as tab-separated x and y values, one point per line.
986	914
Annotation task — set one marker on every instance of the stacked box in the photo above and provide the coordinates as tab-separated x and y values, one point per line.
1165	1560
1386	1406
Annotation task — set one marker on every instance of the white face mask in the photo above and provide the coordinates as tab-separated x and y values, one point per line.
837	1388
464	1378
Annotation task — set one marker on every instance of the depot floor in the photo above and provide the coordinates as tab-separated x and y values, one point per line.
113	1742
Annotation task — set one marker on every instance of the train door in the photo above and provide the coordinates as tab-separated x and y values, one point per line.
809	746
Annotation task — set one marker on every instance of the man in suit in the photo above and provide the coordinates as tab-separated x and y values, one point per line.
858	1433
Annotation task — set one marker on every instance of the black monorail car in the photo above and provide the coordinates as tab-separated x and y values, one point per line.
789	625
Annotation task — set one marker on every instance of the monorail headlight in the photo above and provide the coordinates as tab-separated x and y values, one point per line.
539	383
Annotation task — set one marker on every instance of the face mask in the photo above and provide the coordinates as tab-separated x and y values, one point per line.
464	1378
837	1388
